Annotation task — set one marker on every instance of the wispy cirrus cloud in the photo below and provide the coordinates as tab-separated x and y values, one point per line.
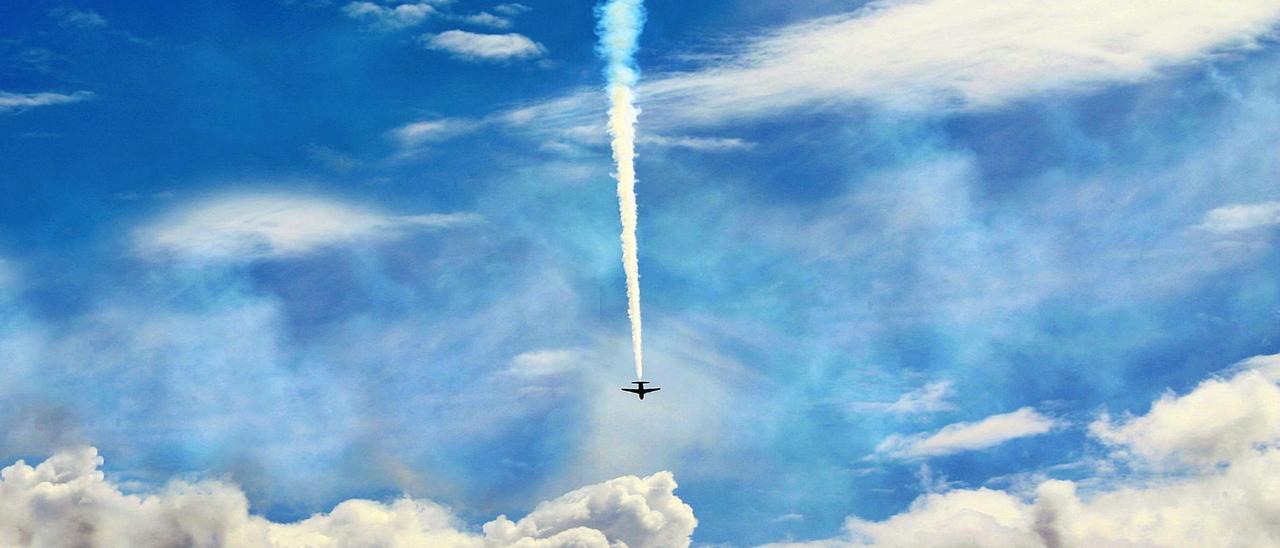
78	18
332	159
252	227
421	132
37	59
697	143
512	9
470	46
947	54
934	54
930	398
967	436
18	102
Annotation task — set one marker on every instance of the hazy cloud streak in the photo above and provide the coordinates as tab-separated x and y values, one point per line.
967	436
23	101
248	227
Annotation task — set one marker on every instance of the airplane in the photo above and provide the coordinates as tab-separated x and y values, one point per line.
640	390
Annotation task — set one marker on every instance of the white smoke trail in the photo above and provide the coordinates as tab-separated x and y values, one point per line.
619	27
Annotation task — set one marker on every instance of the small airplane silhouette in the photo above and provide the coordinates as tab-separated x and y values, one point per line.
640	390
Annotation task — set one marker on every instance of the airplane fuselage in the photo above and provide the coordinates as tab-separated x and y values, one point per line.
640	390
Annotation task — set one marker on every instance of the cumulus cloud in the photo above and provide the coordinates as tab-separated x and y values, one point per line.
23	101
967	436
959	519
248	227
67	501
1236	507
627	511
1241	217
486	19
1225	430
390	18
928	54
470	46
1217	423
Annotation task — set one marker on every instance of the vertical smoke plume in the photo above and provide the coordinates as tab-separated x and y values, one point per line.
619	27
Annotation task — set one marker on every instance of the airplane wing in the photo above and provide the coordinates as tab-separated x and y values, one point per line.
633	390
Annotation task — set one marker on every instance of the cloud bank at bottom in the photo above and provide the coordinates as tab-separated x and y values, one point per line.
67	501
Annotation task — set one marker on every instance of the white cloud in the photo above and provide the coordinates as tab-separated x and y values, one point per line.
628	511
544	363
926	54
471	46
961	518
247	227
706	144
965	53
67	501
512	9
85	19
390	18
1218	422
486	19
415	134
1241	217
930	398
1224	428
23	101
967	436
1235	507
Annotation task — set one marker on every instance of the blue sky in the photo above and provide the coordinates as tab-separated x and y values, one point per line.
320	251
